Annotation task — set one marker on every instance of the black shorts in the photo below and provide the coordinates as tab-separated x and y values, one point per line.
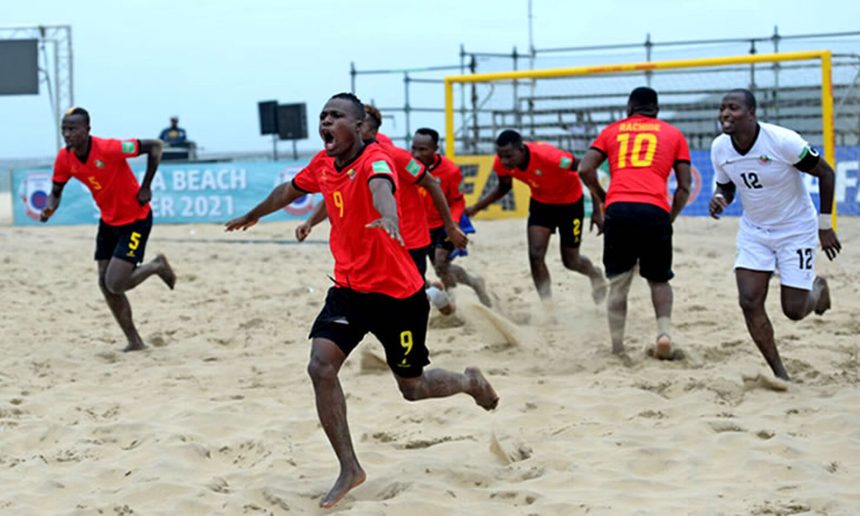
419	256
439	240
566	217
126	242
638	232
399	324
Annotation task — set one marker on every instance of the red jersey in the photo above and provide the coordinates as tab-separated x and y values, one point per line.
410	207
642	152
365	259
106	173
548	172
451	181
384	140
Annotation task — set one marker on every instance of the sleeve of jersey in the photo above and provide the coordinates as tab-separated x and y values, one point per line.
415	169
563	159
720	175
306	179
123	148
683	149
599	144
797	151
381	167
62	174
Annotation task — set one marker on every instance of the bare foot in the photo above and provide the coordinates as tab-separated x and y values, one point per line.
663	347
599	289
165	271
820	284
134	346
481	390
344	484
481	290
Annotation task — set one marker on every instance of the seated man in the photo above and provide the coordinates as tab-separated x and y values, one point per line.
174	135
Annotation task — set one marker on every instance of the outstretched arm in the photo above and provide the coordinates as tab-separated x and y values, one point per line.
455	234
588	173
152	149
503	186
318	215
826	181
382	190
281	196
53	201
684	178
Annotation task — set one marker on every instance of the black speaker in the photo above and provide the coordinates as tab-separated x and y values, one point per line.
268	116
292	122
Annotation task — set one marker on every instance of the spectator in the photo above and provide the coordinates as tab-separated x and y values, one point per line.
174	135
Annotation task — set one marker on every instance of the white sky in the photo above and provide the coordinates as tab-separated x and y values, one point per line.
136	63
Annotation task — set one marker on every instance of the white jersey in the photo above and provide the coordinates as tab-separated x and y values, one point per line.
770	188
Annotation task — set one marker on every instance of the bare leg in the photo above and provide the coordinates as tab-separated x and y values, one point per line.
538	241
121	310
661	298
752	292
573	260
798	303
451	275
616	309
122	276
439	383
326	360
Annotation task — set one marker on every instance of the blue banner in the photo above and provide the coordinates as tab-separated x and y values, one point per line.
181	193
217	192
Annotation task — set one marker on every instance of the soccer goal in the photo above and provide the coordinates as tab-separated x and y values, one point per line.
569	106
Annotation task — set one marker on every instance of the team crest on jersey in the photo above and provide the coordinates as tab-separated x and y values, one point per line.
350	173
764	158
538	172
100	163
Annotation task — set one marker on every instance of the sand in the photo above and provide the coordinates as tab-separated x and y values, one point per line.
217	416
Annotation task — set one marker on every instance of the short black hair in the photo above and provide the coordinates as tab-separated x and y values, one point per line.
509	137
78	111
432	133
358	106
643	96
749	98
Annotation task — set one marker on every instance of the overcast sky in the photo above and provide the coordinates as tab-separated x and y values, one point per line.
137	63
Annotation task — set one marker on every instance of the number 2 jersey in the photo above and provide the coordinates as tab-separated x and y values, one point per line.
549	173
106	173
768	177
365	259
642	152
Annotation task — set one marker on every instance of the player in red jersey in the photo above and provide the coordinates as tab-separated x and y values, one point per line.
377	287
642	151
425	147
411	174
126	218
556	202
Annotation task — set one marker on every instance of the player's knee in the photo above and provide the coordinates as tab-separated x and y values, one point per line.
794	312
750	303
410	391
112	286
321	371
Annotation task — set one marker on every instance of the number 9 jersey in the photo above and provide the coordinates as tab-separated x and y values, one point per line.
642	152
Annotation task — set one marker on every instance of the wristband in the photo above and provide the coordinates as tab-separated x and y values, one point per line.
825	221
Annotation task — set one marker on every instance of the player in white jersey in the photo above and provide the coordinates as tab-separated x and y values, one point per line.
779	229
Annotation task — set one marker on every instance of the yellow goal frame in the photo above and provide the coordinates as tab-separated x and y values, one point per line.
825	56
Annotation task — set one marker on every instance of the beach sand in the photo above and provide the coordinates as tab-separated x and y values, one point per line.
217	416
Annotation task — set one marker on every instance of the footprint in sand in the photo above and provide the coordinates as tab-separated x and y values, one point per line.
764	381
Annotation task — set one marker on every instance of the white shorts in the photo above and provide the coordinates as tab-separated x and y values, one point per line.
791	251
